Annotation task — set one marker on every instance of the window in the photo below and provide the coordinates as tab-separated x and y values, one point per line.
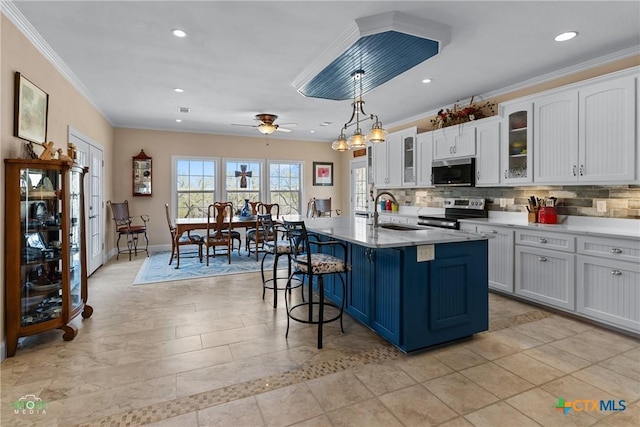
195	186
242	181
285	184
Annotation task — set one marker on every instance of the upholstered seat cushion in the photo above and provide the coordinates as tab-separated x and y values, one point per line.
321	264
280	247
193	238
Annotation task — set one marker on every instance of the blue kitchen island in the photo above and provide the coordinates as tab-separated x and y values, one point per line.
415	288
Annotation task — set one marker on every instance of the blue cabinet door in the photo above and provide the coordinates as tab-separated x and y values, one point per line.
385	300
359	287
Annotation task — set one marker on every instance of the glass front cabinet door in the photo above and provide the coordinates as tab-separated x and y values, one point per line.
518	143
46	281
142	174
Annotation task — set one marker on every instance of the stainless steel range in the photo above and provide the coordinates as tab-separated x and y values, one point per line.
455	209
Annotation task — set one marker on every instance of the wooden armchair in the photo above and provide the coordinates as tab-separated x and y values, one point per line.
320	207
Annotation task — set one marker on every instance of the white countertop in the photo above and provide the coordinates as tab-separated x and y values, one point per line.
356	230
603	227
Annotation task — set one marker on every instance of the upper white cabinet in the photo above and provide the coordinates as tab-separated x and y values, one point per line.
424	155
516	147
454	142
488	152
387	158
586	134
555	137
606	135
410	165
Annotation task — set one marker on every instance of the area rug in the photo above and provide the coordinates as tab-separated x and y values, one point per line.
156	267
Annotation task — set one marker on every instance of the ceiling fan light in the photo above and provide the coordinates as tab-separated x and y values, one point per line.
266	128
377	134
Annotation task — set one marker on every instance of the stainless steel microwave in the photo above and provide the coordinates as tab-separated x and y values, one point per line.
454	172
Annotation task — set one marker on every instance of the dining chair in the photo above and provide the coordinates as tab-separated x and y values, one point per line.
189	239
219	217
320	207
314	264
124	226
254	240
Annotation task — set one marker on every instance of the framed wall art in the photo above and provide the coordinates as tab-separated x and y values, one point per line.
322	173
31	109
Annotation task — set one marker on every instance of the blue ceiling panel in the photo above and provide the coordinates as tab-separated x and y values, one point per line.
382	56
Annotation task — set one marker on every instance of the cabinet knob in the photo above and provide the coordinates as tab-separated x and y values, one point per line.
542	240
581	170
573	170
505	174
477	174
616	251
542	258
616	272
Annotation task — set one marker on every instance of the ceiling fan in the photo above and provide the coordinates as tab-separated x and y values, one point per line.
266	126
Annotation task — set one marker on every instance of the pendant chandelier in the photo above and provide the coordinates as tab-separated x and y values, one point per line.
358	140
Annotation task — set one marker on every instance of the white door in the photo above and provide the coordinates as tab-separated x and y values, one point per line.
359	186
90	154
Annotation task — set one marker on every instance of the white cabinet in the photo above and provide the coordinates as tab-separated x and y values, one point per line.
555	138
410	165
387	158
608	281
586	134
500	257
546	276
488	152
424	155
516	143
454	142
609	291
606	135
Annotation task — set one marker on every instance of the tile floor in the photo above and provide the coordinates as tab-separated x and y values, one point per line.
211	352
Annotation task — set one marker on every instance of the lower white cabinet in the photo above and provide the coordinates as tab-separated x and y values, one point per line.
546	276
500	257
609	290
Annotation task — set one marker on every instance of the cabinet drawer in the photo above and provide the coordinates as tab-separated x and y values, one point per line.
546	276
609	290
540	239
620	249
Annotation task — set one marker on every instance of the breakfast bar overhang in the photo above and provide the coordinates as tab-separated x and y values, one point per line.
416	288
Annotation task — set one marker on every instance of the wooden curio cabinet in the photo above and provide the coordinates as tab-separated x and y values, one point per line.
45	265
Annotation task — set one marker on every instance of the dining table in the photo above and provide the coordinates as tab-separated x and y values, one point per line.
184	225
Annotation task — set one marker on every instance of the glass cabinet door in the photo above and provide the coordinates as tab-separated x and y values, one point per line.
408	161
75	238
41	247
517	153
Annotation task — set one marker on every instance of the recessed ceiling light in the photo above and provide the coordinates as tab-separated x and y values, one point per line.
325	123
179	33
426	81
312	131
178	90
178	120
565	36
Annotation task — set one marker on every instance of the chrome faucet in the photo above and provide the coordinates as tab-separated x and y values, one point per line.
375	205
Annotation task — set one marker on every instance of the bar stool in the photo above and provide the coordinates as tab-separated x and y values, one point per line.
278	247
316	264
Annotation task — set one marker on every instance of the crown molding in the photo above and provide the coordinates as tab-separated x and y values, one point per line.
9	9
563	72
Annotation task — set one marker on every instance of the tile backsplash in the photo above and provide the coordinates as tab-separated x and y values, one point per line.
622	201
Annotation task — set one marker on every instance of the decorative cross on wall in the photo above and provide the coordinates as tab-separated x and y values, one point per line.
243	174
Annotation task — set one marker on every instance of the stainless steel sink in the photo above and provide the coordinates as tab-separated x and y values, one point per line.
399	227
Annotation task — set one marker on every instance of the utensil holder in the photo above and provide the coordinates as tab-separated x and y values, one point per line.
532	217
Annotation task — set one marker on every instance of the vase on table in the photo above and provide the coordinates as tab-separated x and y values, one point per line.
246	210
